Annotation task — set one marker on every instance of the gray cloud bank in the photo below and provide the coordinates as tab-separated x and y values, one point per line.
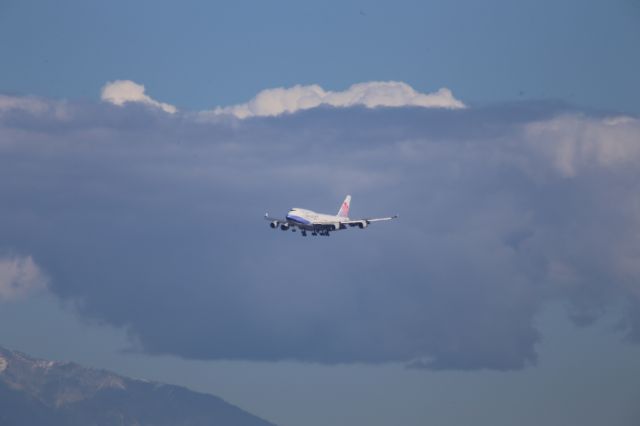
152	221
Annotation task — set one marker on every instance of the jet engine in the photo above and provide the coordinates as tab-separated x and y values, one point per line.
284	226
274	224
363	224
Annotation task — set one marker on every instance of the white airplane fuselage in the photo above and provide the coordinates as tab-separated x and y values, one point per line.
311	221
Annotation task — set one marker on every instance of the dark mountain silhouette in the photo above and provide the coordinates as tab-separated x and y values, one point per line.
35	392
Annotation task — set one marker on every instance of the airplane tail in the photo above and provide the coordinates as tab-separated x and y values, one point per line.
344	209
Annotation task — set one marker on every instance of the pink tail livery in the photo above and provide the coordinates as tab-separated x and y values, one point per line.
344	209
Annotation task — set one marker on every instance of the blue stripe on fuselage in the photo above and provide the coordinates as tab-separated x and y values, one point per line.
298	219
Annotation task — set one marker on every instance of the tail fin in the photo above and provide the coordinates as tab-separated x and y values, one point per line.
344	209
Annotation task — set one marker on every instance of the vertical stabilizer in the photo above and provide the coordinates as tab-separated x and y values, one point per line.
344	209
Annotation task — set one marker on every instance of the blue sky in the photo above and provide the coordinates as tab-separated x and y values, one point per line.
132	236
200	54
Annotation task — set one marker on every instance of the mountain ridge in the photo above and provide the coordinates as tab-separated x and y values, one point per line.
38	392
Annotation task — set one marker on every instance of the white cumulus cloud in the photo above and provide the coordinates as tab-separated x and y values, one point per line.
277	101
272	102
19	276
121	91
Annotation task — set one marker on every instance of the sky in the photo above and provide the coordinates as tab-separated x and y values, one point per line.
200	54
140	145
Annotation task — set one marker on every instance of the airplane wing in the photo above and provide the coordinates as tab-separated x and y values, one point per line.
362	223
368	219
274	219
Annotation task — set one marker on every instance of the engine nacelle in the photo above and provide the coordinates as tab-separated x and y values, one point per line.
363	224
284	226
274	224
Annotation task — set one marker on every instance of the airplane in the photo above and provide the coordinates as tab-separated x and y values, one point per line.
321	224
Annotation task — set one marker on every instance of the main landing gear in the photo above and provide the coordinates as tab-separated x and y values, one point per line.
316	233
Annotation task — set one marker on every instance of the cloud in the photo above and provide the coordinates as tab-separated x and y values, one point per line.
19	277
31	104
571	142
155	224
273	102
121	91
46	109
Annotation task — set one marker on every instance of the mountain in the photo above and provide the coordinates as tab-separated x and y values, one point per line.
35	392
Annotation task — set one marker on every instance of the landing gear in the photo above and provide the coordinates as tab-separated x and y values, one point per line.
315	232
